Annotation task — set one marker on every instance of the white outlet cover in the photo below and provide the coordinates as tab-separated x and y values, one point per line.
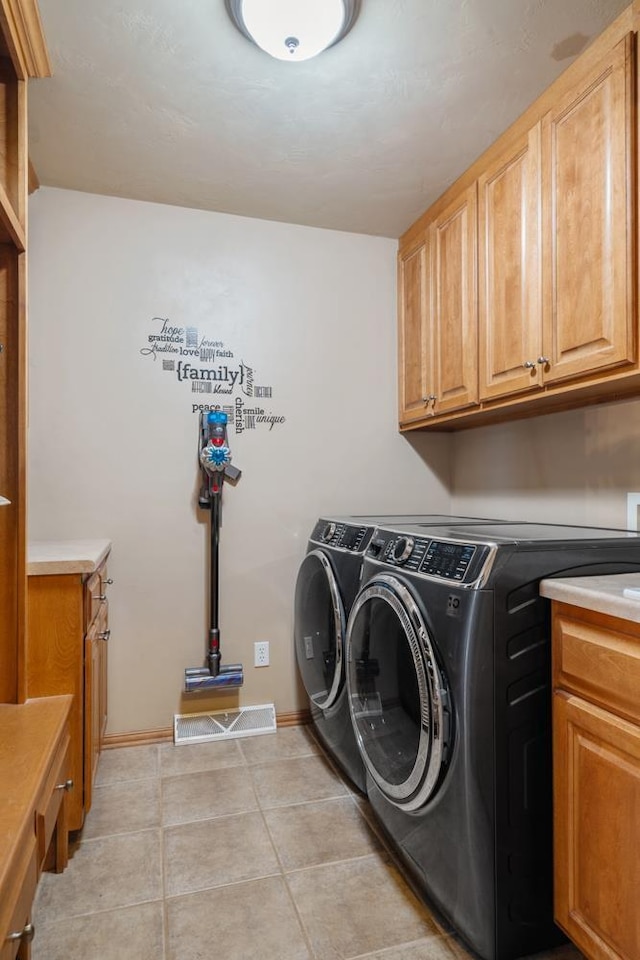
633	504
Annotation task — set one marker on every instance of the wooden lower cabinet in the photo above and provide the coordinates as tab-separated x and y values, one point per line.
596	749
35	791
66	653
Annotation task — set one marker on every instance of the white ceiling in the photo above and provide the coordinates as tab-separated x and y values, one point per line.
166	101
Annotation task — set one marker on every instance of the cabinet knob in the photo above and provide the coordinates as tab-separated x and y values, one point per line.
529	364
101	597
543	360
25	936
67	785
108	582
104	635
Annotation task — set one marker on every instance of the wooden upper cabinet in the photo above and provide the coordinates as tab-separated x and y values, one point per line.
454	303
588	207
510	282
414	349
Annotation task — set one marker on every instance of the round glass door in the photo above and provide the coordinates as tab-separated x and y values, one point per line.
395	693
319	629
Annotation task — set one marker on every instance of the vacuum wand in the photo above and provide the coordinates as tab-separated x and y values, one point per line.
214	456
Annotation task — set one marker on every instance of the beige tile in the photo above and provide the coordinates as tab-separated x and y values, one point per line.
356	907
124	807
208	853
296	781
566	952
431	948
197	757
130	933
104	874
242	921
314	833
202	796
282	745
127	763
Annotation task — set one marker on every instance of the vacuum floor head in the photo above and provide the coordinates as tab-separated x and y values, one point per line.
199	678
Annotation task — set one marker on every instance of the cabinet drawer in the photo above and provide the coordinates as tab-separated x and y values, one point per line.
95	597
598	658
16	909
52	796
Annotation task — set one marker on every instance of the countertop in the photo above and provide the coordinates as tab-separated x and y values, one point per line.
65	556
604	594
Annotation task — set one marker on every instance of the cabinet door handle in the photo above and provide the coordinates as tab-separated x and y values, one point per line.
529	364
104	635
108	582
67	785
25	936
101	597
543	360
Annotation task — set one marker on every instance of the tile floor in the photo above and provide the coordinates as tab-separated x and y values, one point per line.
249	848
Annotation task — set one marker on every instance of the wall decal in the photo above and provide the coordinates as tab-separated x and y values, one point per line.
211	370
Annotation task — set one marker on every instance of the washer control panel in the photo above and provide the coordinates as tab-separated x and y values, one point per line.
449	560
401	551
341	536
445	559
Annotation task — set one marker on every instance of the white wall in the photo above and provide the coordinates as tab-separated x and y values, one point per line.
574	467
113	439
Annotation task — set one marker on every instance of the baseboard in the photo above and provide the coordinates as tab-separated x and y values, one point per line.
165	734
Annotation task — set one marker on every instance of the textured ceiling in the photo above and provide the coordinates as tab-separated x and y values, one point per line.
165	101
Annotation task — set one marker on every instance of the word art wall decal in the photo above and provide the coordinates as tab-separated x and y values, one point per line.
210	369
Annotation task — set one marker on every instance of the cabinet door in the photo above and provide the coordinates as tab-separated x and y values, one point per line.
596	817
103	636
589	222
414	349
454	306
92	710
510	281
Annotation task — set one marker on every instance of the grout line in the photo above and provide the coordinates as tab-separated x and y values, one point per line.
163	879
111	836
221	886
305	932
92	913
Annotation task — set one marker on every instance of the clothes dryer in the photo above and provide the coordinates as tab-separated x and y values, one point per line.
326	586
449	687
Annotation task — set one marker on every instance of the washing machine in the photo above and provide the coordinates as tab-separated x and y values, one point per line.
449	688
326	586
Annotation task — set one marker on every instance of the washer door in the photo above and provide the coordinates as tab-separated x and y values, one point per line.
397	694
319	629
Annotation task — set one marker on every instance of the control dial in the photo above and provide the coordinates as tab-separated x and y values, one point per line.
328	532
402	549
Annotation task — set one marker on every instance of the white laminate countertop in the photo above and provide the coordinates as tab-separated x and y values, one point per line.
65	556
604	594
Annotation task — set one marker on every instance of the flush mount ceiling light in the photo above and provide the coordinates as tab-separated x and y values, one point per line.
293	29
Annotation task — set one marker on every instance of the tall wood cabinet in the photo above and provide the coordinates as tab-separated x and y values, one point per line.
22	55
556	323
596	749
67	654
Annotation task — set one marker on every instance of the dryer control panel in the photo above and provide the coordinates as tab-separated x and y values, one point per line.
342	536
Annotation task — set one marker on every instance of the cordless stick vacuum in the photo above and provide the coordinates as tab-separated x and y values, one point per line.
215	463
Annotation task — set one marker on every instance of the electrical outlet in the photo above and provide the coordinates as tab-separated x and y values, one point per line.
633	510
261	654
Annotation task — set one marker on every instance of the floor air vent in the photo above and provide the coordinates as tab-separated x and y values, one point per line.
224	724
